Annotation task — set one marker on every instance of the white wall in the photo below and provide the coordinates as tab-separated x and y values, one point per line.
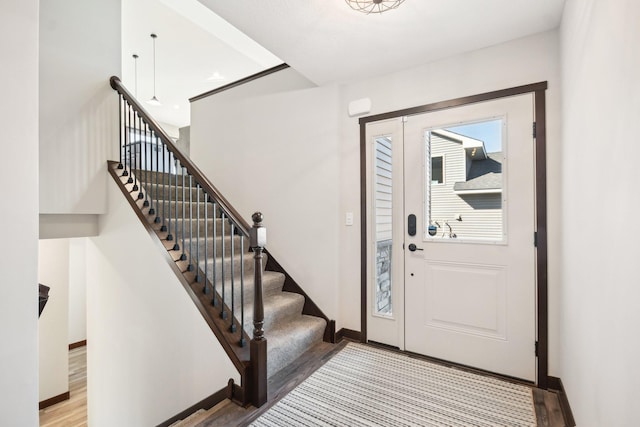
246	127
53	271
278	153
79	51
19	173
77	290
150	355
61	226
600	292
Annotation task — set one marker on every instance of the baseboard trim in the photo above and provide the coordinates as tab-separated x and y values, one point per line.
82	343
53	400
348	334
206	404
555	383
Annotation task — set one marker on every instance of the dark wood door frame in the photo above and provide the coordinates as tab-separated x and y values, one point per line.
539	133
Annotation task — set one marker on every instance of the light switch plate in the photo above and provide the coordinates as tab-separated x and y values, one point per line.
349	218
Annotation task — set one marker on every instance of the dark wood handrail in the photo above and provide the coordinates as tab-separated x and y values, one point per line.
240	82
185	161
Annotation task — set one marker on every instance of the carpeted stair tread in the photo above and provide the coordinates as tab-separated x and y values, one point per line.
238	261
168	192
162	178
278	308
272	283
218	241
209	223
287	342
171	206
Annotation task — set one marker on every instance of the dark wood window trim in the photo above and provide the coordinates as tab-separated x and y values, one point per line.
538	90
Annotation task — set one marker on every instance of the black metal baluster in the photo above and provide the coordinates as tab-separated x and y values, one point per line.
154	175
139	175
215	268
242	340
223	313
120	120
147	189
232	328
157	171
183	257
176	246
206	243
198	236
169	235
126	138
190	266
135	152
130	180
164	192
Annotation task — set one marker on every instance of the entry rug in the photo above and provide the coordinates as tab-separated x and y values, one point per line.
365	386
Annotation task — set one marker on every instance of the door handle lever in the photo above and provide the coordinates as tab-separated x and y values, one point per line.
414	248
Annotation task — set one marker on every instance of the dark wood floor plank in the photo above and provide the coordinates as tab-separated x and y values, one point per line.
541	410
552	403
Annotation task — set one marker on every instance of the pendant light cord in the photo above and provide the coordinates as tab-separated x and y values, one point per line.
153	36
135	73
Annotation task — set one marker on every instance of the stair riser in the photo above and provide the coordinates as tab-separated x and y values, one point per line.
282	353
271	285
209	230
162	178
209	245
274	317
165	192
219	262
170	207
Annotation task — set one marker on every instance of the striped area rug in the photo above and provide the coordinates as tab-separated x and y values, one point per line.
365	386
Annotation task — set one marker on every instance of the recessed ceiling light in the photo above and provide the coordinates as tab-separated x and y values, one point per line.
216	77
176	107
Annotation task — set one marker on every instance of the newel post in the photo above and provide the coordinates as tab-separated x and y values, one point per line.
258	345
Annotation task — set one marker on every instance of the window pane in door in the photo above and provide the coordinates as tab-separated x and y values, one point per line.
383	190
464	181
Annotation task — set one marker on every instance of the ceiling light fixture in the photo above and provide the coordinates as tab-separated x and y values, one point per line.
154	101
216	77
373	6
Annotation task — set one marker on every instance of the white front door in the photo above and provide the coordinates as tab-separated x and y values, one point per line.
470	265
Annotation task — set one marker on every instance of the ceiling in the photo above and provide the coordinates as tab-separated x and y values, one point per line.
325	40
192	45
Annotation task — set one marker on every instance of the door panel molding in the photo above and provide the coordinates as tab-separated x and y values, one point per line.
538	91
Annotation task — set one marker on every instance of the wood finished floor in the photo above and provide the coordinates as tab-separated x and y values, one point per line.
72	412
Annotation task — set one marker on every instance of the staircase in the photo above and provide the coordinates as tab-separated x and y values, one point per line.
290	333
259	314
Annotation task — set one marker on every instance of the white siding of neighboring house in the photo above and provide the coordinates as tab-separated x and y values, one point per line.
383	189
481	213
